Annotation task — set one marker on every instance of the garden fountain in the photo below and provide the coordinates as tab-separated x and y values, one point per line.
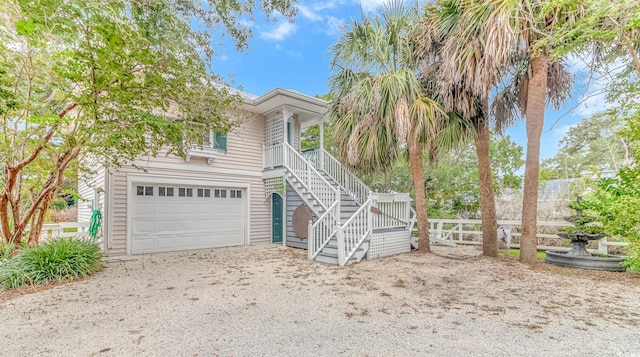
580	234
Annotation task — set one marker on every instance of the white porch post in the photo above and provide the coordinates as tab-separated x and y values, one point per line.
321	152
285	119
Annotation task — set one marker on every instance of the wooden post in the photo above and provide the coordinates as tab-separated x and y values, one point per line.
310	241
340	240
369	213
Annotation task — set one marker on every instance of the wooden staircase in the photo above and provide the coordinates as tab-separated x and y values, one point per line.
348	207
344	206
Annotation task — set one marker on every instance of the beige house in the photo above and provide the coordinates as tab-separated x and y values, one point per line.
252	185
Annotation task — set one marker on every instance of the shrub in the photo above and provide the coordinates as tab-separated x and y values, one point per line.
55	260
58	204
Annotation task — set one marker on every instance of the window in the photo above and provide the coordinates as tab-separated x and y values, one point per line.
165	191
211	140
189	192
220	141
207	192
181	191
235	193
220	193
200	192
144	190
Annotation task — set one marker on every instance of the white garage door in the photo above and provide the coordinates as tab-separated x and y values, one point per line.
168	217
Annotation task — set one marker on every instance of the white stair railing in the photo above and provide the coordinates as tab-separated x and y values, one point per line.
316	185
347	180
313	156
272	156
354	232
323	230
357	189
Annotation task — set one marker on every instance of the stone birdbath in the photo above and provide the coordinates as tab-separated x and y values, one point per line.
580	234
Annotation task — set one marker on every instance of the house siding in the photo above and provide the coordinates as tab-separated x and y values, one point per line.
87	190
293	201
244	149
241	163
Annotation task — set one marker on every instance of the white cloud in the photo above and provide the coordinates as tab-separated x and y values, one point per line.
308	13
596	84
371	5
246	23
331	4
563	130
334	25
593	102
280	32
223	58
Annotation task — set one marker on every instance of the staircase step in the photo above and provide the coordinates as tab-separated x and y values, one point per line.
327	259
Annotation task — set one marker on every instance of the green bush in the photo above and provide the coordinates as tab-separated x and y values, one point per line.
615	201
58	204
55	260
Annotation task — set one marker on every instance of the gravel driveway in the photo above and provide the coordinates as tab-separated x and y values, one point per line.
269	300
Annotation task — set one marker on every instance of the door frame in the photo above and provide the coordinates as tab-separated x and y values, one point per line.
176	180
282	218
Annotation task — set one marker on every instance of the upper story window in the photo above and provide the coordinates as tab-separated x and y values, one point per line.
207	146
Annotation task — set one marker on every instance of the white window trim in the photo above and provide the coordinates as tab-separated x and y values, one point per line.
175	180
209	152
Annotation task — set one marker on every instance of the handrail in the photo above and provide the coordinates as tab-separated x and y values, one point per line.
321	226
347	180
354	232
412	222
313	156
272	156
317	186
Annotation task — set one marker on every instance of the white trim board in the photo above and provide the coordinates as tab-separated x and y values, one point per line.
199	168
156	179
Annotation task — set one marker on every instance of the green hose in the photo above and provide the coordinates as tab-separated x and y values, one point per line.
95	223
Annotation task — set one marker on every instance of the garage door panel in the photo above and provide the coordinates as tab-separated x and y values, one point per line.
186	207
164	225
168	223
143	208
165	208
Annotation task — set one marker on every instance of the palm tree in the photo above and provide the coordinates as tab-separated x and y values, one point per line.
436	37
491	41
379	104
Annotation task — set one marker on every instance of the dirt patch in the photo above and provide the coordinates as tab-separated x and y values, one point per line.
269	300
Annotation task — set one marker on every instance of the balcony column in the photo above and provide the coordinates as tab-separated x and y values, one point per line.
321	153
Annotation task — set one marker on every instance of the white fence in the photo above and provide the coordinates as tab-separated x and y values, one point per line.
469	231
63	230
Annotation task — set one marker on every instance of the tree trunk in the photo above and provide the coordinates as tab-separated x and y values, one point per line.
534	119
415	161
487	195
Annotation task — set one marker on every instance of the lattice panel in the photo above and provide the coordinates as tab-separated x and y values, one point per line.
275	129
274	185
389	243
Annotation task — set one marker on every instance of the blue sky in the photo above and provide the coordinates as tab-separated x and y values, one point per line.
295	56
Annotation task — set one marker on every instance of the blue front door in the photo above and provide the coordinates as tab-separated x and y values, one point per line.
276	221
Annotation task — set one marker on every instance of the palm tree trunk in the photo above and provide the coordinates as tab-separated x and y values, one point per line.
415	161
534	118
487	195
